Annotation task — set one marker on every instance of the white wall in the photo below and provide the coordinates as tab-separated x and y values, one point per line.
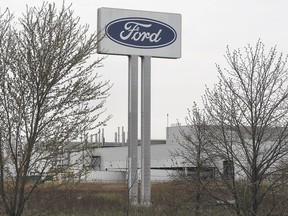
115	159
106	176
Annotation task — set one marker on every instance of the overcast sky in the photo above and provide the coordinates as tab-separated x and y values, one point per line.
208	26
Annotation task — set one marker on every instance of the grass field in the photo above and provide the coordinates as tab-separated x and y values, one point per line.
91	199
103	199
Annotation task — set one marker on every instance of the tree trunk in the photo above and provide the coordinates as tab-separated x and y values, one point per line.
254	188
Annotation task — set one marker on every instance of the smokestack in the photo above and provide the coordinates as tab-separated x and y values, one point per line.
116	138
118	135
167	119
123	137
103	138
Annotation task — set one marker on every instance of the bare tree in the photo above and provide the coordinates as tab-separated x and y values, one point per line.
248	110
194	147
49	95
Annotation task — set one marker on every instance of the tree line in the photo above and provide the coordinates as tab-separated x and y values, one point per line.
50	95
241	132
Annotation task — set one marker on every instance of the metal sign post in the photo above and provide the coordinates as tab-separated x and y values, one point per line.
133	129
145	130
147	34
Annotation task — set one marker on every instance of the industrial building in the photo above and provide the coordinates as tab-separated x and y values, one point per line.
109	162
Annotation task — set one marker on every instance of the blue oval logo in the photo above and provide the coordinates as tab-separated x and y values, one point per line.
141	33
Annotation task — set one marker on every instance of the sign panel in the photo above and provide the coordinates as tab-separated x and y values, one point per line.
142	33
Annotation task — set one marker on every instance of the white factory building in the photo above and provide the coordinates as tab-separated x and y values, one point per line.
110	160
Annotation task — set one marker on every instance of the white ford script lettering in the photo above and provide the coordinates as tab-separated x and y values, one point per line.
132	31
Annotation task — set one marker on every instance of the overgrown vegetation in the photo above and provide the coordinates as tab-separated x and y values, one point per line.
50	95
242	133
101	199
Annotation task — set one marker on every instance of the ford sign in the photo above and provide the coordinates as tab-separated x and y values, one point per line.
141	33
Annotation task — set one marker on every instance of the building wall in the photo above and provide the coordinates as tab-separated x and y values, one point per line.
115	159
163	163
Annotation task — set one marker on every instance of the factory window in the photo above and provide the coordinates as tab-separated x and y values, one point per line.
96	163
205	172
228	169
64	160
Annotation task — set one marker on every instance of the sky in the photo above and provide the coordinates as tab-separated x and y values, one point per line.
208	27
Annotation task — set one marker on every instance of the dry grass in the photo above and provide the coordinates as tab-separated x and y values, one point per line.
101	199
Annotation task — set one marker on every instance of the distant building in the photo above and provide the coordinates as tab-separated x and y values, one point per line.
109	162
